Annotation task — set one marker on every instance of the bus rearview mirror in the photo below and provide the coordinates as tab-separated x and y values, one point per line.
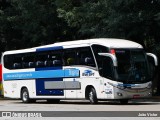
154	58
113	57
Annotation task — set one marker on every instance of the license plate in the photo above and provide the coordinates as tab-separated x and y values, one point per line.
136	96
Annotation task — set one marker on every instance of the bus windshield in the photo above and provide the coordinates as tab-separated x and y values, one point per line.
132	66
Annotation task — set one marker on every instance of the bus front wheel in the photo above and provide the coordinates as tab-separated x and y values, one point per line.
92	96
124	101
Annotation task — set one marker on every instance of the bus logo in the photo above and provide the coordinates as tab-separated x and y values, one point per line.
87	73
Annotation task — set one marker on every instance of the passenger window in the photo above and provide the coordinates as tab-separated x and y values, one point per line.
40	59
85	57
54	59
13	61
70	57
28	60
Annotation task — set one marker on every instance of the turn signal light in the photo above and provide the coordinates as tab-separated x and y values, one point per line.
112	51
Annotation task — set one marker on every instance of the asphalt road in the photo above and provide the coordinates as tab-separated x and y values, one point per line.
83	106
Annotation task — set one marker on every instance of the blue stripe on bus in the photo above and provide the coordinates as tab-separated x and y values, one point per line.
49	48
42	74
48	68
40	90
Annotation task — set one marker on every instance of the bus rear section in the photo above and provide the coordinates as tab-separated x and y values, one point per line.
1	88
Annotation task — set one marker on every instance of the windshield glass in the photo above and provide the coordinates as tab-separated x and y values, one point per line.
132	66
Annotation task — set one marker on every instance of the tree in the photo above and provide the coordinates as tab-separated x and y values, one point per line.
31	23
130	19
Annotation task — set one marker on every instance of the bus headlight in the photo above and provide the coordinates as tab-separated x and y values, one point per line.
117	86
120	87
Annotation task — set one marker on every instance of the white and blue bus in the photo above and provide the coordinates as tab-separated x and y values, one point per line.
93	69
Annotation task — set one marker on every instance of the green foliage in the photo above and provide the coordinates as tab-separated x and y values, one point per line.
130	19
30	23
26	23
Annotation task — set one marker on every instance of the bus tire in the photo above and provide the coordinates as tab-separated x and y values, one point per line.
92	96
124	101
25	96
53	101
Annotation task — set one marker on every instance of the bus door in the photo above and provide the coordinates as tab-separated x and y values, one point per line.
105	67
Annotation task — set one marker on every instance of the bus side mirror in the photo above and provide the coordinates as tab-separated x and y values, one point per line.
152	59
153	62
113	57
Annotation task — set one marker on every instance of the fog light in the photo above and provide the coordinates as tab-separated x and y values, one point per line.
119	94
150	93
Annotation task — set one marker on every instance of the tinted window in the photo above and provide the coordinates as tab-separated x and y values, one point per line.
67	57
70	57
28	60
85	57
104	63
99	49
13	61
132	65
105	67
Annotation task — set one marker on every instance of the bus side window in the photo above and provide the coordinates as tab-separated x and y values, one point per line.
106	69
39	64
17	66
17	61
85	57
40	59
54	59
12	61
8	61
104	63
57	63
70	57
28	60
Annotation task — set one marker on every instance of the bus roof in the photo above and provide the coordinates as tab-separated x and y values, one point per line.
108	42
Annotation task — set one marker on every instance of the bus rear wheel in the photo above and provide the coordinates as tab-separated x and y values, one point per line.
92	96
25	96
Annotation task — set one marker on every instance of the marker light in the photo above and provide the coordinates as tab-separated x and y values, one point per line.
112	51
119	94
